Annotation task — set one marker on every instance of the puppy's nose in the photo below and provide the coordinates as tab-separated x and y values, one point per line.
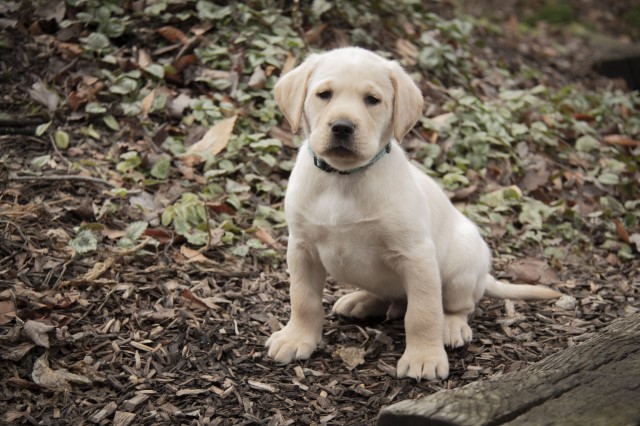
343	129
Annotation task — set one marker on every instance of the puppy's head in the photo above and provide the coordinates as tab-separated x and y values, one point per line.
350	103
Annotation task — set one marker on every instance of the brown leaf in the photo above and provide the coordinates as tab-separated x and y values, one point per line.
352	357
200	303
258	78
113	234
201	28
536	175
7	311
635	239
147	103
184	62
98	269
163	235
193	255
37	332
464	193
16	353
221	207
313	34
266	238
288	65
620	140
69	50
285	136
86	91
173	34
530	270
41	94
43	375
213	142
622	231
407	51
144	58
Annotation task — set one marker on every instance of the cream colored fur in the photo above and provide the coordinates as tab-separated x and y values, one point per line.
389	230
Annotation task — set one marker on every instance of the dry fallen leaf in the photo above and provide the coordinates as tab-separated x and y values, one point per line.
147	103
41	94
37	332
536	175
289	64
258	78
198	302
352	357
213	142
16	353
173	34
7	311
43	375
266	238
193	255
531	271
407	51
620	140
635	239
98	269
622	231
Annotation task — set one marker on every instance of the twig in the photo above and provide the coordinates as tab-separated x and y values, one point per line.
55	148
62	177
21	122
29	131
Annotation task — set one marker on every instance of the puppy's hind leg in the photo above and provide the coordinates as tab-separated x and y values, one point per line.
460	295
361	305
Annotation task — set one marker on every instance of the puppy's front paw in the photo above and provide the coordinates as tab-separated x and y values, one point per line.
456	331
429	363
291	343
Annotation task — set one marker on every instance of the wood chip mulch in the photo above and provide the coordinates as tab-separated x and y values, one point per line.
151	340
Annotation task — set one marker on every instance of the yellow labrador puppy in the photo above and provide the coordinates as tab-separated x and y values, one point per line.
359	211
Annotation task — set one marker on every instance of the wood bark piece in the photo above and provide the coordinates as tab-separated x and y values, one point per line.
123	418
595	383
105	412
131	404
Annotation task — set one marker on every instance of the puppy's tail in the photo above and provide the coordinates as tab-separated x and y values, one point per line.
502	290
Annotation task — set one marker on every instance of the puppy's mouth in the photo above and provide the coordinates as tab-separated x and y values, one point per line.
340	148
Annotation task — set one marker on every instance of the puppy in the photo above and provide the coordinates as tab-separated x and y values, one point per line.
358	210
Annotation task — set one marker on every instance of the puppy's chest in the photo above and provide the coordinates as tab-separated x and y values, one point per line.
356	254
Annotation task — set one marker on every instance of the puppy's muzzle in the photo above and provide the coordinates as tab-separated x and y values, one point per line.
342	129
342	135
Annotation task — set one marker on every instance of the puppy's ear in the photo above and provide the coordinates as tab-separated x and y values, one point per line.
291	91
407	102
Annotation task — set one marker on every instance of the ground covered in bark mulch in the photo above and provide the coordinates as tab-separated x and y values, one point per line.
112	313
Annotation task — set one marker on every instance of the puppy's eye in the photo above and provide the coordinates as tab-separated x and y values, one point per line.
325	94
371	100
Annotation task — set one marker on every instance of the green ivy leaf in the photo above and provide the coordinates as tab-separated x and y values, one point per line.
161	169
96	42
111	122
124	86
40	162
95	108
136	229
84	242
155	70
41	129
62	139
587	143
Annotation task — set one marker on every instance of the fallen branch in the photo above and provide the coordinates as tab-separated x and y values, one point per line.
62	178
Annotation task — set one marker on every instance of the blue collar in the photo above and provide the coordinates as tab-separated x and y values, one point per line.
326	167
